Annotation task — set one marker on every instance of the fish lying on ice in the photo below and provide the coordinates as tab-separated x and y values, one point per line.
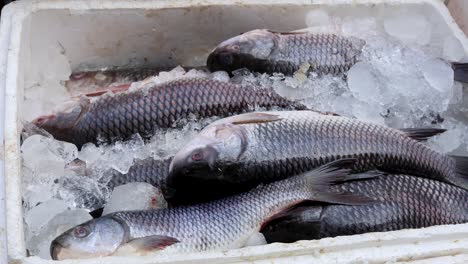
217	225
143	111
253	148
266	51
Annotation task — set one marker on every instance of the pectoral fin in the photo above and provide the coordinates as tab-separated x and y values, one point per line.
145	245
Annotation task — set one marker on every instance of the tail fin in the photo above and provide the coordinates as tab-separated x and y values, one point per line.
461	166
460	72
337	171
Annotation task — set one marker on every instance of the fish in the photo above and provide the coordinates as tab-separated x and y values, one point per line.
217	225
402	202
142	111
248	149
266	51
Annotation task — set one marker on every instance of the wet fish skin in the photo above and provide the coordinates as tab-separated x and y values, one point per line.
262	50
254	148
120	116
217	225
404	202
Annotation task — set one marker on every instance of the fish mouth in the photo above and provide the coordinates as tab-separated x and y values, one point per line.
55	250
40	121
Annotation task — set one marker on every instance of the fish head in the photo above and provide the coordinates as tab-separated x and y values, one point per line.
216	147
63	119
95	238
239	51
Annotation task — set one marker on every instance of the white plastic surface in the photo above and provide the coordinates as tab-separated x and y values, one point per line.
101	33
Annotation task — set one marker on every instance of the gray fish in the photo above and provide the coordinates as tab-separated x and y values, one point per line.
217	225
118	117
263	50
254	148
403	202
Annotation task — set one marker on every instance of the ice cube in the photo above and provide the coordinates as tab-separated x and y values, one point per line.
449	140
45	156
363	83
38	216
195	73
453	49
408	27
220	76
316	18
135	196
118	160
439	75
39	245
83	191
33	195
457	96
89	153
37	147
369	113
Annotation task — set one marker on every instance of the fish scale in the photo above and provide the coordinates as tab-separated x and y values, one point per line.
221	224
296	141
325	53
143	111
404	201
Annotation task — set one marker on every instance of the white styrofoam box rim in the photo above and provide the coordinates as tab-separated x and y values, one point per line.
446	240
5	28
440	241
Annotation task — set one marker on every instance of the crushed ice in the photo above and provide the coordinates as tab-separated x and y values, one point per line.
400	82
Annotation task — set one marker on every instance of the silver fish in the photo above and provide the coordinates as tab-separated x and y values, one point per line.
262	147
218	225
263	50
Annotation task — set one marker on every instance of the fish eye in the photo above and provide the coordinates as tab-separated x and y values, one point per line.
81	232
197	156
78	75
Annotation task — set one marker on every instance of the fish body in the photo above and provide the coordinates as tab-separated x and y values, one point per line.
402	201
262	50
223	224
118	117
254	148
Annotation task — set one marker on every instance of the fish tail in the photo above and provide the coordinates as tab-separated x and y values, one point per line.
460	72
461	168
320	179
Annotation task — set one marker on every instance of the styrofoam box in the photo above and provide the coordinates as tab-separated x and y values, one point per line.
119	33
